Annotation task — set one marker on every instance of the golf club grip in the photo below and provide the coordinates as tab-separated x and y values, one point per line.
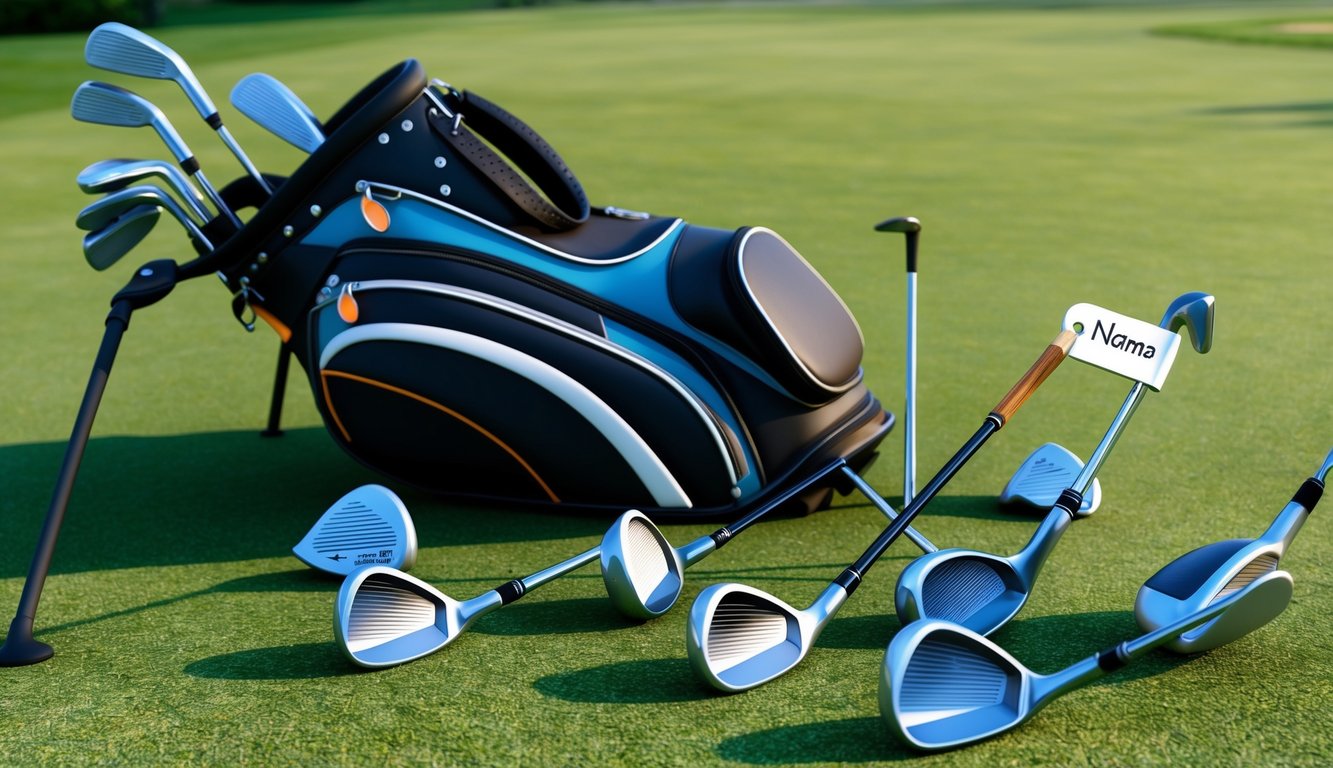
1045	366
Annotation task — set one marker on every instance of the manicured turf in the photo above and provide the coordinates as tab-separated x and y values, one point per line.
1054	156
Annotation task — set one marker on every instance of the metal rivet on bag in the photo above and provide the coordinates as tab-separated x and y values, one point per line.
384	138
262	258
146	272
254	267
440	162
407	126
245	280
288	231
445	190
315	211
332	281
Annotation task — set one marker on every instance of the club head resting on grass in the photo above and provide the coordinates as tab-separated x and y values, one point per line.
1194	580
982	591
943	686
1038	481
108	245
368	526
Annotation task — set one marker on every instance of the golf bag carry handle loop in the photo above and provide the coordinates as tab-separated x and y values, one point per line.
564	204
1045	365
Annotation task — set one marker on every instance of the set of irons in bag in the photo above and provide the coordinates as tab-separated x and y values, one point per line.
405	244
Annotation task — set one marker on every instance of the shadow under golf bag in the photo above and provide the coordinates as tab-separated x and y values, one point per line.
465	333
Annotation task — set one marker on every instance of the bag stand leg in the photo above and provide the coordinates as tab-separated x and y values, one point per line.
152	282
279	390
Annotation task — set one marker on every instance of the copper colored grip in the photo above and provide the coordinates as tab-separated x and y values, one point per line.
1045	365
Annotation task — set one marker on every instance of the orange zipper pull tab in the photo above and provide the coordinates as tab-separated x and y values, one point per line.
348	309
375	214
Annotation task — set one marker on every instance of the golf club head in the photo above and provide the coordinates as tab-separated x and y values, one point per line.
943	686
273	106
368	526
903	224
1041	477
384	617
119	48
974	589
103	211
115	174
1194	311
1195	579
105	104
107	245
739	637
643	573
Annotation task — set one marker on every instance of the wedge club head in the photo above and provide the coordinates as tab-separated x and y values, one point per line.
943	686
642	572
273	106
1196	579
109	244
1038	481
368	526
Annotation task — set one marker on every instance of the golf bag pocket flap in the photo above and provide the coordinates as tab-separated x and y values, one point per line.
753	291
465	393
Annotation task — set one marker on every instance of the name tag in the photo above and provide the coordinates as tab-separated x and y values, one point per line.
1121	344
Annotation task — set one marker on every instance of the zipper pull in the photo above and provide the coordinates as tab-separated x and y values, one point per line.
375	214
348	309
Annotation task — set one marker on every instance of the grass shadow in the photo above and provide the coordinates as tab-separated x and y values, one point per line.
623	683
555	617
304	661
853	740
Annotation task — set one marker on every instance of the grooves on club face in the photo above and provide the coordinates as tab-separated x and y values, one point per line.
369	525
1212	572
943	686
274	107
385	617
642	572
1038	481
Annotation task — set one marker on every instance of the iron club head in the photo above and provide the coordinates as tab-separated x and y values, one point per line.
1037	482
944	686
107	245
368	526
116	174
273	106
100	213
1196	579
642	572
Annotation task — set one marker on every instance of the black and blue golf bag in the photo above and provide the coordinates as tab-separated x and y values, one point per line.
470	325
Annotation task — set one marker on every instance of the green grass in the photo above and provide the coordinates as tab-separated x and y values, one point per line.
1314	31
1055	156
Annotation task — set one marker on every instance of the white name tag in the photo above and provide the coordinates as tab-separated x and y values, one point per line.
1120	344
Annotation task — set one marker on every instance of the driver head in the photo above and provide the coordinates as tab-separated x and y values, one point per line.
1194	311
974	589
642	572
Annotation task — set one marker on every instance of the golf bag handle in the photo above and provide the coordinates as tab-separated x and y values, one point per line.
565	204
1043	367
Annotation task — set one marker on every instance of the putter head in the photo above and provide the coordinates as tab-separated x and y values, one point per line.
642	571
739	637
943	686
974	589
107	245
1194	311
368	526
384	617
1196	579
272	105
903	224
1041	477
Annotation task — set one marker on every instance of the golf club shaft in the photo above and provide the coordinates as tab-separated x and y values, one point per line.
1049	360
1289	521
513	590
235	148
194	170
909	416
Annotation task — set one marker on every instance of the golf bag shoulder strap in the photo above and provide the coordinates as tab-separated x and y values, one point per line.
477	122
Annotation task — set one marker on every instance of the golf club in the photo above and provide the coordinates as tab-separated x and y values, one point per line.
107	245
982	591
273	106
1198	578
739	637
1037	482
944	686
910	227
102	212
642	573
115	174
119	48
368	526
105	104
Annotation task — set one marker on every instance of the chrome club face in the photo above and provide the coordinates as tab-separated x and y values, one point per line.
101	213
273	106
368	526
107	245
1196	579
116	174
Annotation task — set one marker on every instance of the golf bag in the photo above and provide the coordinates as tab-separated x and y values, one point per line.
471	326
